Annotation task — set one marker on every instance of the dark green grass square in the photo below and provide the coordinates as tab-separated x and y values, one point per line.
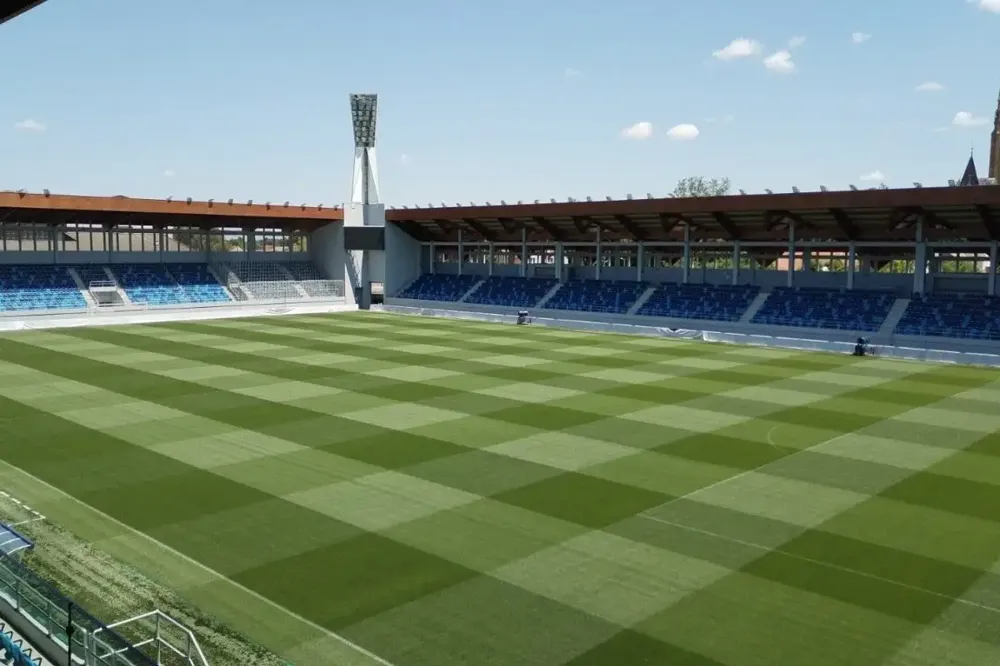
988	445
860	476
394	449
544	416
660	395
518	375
726	451
108	468
582	499
322	431
481	472
817	417
408	391
636	434
468	402
263	414
343	583
961	496
630	648
186	496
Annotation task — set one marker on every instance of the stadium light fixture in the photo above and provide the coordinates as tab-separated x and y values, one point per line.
795	190
628	196
488	203
503	203
951	182
822	188
406	208
917	185
649	195
249	202
537	201
444	205
768	191
286	204
552	200
364	109
46	193
170	198
608	199
189	201
743	192
520	203
267	205
854	188
589	199
211	202
230	202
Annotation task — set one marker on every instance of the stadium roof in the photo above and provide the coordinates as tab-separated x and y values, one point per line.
949	213
111	211
12	8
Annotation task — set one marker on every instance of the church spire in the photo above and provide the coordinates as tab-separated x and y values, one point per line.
970	177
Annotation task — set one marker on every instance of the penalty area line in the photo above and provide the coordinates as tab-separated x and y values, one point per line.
204	567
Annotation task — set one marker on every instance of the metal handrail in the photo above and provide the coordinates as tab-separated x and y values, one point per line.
192	649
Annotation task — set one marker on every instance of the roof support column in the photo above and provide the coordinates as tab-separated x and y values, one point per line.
524	251
920	260
686	260
461	252
640	261
560	260
992	278
597	256
431	260
790	281
489	248
736	263
852	258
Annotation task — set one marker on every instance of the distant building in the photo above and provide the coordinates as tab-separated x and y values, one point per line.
994	171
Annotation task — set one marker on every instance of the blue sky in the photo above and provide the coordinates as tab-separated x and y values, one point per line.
481	100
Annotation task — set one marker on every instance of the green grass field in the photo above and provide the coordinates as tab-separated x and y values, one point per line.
439	493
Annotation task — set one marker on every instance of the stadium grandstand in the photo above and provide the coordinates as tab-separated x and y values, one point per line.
911	272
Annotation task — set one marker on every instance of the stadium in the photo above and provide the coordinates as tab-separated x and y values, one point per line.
700	430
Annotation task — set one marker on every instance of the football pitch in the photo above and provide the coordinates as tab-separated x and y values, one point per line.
376	489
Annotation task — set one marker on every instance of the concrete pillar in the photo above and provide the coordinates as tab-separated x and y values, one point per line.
806	259
461	252
920	261
489	249
686	260
736	263
790	279
597	256
852	254
640	260
560	263
992	278
524	251
431	260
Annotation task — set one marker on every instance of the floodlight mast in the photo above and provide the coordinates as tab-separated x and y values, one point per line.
364	113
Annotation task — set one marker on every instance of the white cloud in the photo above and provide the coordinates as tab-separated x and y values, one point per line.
875	176
796	42
738	48
780	61
30	125
641	130
988	5
573	73
683	132
169	173
966	119
859	37
404	159
930	86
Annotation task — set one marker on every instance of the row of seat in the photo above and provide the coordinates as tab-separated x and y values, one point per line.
53	287
944	315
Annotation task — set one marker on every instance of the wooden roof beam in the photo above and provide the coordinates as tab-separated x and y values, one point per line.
632	228
509	225
669	222
480	229
727	225
845	224
989	222
549	228
583	224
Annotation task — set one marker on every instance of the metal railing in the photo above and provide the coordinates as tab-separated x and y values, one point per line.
159	628
85	639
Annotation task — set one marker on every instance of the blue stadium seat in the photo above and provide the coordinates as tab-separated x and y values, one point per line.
968	316
697	301
597	296
148	283
513	292
825	308
43	287
198	283
435	287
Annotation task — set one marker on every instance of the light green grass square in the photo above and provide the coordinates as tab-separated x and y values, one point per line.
561	450
510	361
623	376
201	371
884	451
528	392
661	473
280	391
616	579
416	348
324	359
297	471
225	449
775	396
475	431
413	373
381	500
484	534
759	494
99	418
703	363
403	416
342	403
686	418
951	418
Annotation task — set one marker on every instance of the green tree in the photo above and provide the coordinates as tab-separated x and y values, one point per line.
699	186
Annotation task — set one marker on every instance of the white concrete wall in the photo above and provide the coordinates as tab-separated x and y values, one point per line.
402	259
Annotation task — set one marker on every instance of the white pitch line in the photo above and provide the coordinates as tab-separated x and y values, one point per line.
770	434
29	520
830	565
207	569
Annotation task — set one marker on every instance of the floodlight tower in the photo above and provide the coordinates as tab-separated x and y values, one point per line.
364	216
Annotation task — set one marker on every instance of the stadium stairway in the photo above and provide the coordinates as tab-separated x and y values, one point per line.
642	301
892	319
471	291
611	297
82	287
18	651
755	305
510	292
552	292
